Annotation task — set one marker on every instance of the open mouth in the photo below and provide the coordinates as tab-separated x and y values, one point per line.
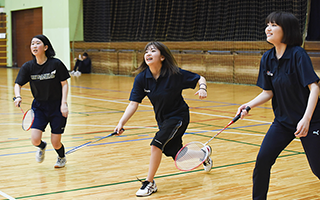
269	34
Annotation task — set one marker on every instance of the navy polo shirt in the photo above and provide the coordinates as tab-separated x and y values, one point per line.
165	93
288	78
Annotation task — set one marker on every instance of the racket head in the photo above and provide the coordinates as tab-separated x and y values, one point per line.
191	156
27	120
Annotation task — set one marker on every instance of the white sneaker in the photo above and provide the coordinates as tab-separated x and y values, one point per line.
61	162
208	163
147	189
77	73
206	152
208	149
41	153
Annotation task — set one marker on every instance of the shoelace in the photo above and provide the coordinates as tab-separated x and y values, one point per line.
60	160
144	183
207	162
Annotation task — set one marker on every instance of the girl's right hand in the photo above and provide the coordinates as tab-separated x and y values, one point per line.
242	110
119	129
17	101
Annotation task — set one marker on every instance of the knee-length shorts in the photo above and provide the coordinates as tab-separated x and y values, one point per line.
48	112
169	136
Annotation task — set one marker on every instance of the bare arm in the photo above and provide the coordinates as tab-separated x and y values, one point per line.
130	110
202	92
263	97
303	125
64	105
17	93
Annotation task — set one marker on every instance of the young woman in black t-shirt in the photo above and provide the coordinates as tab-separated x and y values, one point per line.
47	77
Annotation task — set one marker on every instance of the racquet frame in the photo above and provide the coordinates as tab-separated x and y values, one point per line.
236	118
24	116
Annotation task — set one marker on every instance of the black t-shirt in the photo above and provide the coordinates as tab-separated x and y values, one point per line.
165	93
288	78
45	80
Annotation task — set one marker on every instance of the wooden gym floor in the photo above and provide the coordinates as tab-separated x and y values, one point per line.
108	169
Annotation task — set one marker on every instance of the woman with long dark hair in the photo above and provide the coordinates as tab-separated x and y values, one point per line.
162	81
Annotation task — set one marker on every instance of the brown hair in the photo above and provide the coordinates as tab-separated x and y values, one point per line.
169	64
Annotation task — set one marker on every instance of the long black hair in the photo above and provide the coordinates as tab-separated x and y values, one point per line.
50	51
290	26
169	64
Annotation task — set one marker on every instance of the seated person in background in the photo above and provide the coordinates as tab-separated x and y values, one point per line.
83	65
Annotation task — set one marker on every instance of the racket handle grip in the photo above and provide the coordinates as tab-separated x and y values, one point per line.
239	115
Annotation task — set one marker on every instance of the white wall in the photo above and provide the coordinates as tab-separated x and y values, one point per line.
55	19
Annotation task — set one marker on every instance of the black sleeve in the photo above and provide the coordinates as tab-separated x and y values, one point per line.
23	76
62	71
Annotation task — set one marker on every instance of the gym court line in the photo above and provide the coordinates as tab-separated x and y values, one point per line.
135	180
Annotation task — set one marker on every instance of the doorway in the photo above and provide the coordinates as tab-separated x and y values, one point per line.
25	25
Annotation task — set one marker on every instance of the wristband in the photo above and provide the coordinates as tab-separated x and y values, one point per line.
203	89
14	98
203	84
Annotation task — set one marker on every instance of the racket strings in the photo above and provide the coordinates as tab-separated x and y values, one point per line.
191	156
28	120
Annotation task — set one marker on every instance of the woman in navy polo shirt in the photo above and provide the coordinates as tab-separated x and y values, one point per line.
287	77
162	81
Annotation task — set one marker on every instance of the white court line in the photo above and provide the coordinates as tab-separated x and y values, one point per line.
147	127
252	134
238	133
252	120
112	101
149	106
7	196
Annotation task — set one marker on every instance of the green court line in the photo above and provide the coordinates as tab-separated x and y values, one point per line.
198	134
247	130
131	181
291	151
247	143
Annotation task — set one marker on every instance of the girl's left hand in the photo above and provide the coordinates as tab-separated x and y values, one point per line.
64	109
202	93
302	128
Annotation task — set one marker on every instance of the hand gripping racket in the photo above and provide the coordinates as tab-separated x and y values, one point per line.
193	154
91	142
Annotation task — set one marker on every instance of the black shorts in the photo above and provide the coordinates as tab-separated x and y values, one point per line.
169	136
48	112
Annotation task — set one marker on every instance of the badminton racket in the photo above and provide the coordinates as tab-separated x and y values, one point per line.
91	142
27	119
193	154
